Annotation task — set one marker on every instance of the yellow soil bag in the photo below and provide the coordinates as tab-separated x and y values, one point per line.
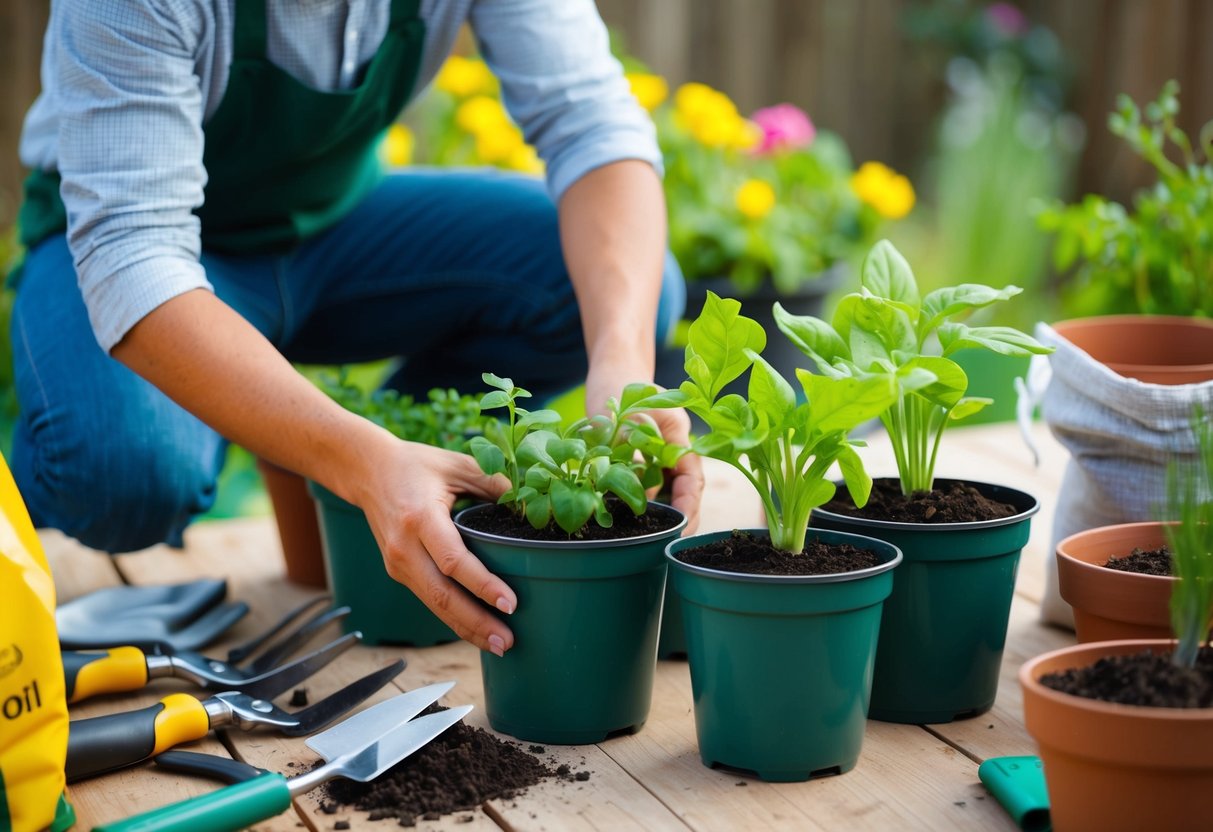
33	707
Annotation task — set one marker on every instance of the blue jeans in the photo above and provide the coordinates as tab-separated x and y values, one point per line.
457	273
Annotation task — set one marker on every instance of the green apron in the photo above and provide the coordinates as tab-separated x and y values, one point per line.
283	161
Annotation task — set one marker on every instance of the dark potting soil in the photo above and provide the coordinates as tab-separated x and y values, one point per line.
742	552
500	520
952	502
459	770
1140	679
1144	562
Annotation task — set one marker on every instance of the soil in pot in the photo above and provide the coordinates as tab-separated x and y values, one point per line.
745	553
1145	678
1144	562
952	502
457	771
500	520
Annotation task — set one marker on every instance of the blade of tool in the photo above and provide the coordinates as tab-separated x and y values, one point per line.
375	721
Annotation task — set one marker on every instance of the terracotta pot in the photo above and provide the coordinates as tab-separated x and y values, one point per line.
1118	767
1159	349
1110	604
298	529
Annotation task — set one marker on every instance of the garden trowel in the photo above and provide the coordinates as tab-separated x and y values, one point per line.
360	748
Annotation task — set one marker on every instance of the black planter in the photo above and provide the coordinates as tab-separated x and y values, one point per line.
808	299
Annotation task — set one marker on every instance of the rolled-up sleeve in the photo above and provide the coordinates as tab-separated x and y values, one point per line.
563	87
130	155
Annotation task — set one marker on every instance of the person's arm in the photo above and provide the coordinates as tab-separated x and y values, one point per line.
613	230
130	154
216	365
569	96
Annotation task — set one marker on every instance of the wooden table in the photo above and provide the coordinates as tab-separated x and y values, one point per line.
908	777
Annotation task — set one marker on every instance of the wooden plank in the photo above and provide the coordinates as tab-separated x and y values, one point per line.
905	779
1000	731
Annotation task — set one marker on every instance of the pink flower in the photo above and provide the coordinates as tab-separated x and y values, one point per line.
784	127
1007	19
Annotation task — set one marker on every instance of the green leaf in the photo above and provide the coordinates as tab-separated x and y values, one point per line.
538	478
874	329
769	393
495	399
859	483
969	406
634	393
533	450
1003	340
571	505
886	274
531	418
566	450
814	337
842	404
624	484
943	303
487	455
539	511
498	382
720	336
950	380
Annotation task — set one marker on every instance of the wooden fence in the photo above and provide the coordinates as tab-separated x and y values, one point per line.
848	62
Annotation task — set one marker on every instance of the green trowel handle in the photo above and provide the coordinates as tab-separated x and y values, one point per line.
230	808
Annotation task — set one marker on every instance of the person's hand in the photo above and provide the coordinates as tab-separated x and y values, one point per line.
407	500
687	481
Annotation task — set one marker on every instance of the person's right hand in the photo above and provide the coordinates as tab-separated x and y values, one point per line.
407	497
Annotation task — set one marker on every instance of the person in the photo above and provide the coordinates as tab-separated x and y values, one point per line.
205	206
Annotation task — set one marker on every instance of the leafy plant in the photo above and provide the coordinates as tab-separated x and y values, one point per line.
888	331
783	448
1191	544
1157	257
565	473
445	419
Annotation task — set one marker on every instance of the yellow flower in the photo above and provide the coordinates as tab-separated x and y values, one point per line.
890	193
747	135
712	119
755	199
481	114
525	159
397	147
462	77
650	90
498	145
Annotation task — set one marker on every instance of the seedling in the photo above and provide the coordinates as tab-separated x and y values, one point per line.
887	330
783	448
565	473
1191	544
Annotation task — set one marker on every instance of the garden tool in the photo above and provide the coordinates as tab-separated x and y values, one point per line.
1018	783
181	616
297	637
106	743
121	669
360	748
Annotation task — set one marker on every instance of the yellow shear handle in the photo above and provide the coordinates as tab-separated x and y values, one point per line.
113	671
183	719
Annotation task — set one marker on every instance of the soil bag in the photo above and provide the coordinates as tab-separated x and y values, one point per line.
1121	434
33	707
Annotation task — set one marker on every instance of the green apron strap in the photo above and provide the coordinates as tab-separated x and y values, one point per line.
250	30
403	10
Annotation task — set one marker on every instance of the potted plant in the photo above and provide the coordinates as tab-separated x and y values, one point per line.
1136	353
1118	581
1125	728
781	622
579	543
945	624
385	611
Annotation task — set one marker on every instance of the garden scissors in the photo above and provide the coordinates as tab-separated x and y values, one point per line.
106	743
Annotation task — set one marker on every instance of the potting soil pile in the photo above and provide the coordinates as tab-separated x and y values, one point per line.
459	770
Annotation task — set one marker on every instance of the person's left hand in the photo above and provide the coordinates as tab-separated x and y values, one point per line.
687	480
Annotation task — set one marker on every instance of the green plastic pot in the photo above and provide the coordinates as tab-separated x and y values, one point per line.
585	633
945	625
383	610
672	642
781	666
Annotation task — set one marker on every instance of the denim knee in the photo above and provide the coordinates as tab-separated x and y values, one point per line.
118	492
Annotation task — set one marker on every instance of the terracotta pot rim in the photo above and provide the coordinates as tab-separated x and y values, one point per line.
1078	325
1028	678
1086	566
